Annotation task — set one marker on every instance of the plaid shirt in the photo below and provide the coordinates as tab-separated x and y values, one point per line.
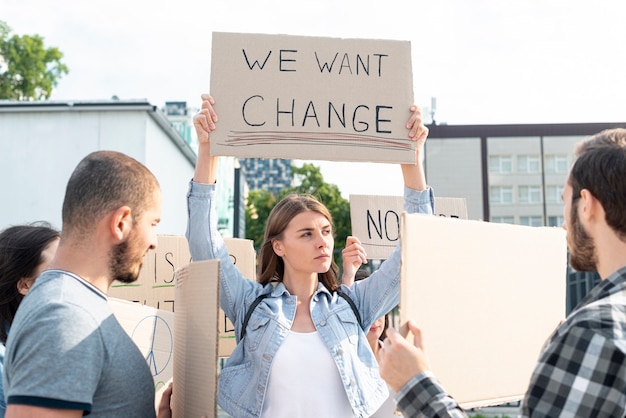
423	396
582	370
580	373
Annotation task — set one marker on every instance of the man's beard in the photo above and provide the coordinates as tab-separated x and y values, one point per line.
582	248
122	264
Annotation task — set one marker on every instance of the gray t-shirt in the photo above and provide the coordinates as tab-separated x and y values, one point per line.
66	350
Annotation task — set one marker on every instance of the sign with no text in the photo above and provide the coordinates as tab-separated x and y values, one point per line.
487	296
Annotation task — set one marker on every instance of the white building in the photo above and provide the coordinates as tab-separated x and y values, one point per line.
42	142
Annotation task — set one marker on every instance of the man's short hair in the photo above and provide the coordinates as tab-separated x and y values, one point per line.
104	181
600	167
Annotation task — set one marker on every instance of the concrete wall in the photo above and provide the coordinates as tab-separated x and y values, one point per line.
453	169
40	147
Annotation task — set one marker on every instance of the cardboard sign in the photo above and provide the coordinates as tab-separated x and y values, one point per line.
195	340
311	98
243	256
153	331
487	296
156	282
376	220
155	285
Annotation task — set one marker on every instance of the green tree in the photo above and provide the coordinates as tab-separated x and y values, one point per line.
28	70
308	179
259	204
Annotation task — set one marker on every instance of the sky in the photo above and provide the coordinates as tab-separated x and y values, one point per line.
485	61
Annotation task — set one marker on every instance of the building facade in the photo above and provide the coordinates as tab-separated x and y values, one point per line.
232	188
42	142
180	116
267	174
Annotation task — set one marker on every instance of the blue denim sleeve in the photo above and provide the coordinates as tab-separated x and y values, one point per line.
3	405
381	294
206	243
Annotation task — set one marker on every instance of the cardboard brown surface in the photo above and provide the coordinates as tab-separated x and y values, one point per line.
196	340
375	220
155	286
312	98
487	296
243	256
153	331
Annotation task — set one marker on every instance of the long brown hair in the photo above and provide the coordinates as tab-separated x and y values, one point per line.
271	267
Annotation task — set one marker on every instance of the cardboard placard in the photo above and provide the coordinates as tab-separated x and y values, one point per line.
487	296
156	283
243	256
312	98
375	220
196	340
153	331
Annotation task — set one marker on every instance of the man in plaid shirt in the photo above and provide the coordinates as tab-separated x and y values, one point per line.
582	369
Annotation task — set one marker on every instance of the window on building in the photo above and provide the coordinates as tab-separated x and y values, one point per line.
531	220
528	164
556	164
555	221
501	195
529	194
553	194
500	164
579	284
503	219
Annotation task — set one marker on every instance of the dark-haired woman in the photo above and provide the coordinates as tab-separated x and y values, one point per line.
25	251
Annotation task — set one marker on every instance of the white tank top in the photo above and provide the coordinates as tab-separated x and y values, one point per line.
304	381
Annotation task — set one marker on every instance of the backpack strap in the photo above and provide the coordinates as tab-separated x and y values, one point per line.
259	298
249	314
352	305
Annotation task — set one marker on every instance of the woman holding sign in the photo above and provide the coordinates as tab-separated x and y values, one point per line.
303	351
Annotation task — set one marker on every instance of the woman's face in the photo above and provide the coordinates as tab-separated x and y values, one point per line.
376	330
306	245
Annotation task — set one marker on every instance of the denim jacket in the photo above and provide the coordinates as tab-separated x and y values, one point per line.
244	379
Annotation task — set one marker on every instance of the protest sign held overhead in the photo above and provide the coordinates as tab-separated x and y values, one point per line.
314	98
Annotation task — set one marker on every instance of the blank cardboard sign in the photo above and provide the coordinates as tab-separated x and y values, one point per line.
487	296
196	340
313	98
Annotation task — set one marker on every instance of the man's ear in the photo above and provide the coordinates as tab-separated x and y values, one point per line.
121	222
588	205
23	285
